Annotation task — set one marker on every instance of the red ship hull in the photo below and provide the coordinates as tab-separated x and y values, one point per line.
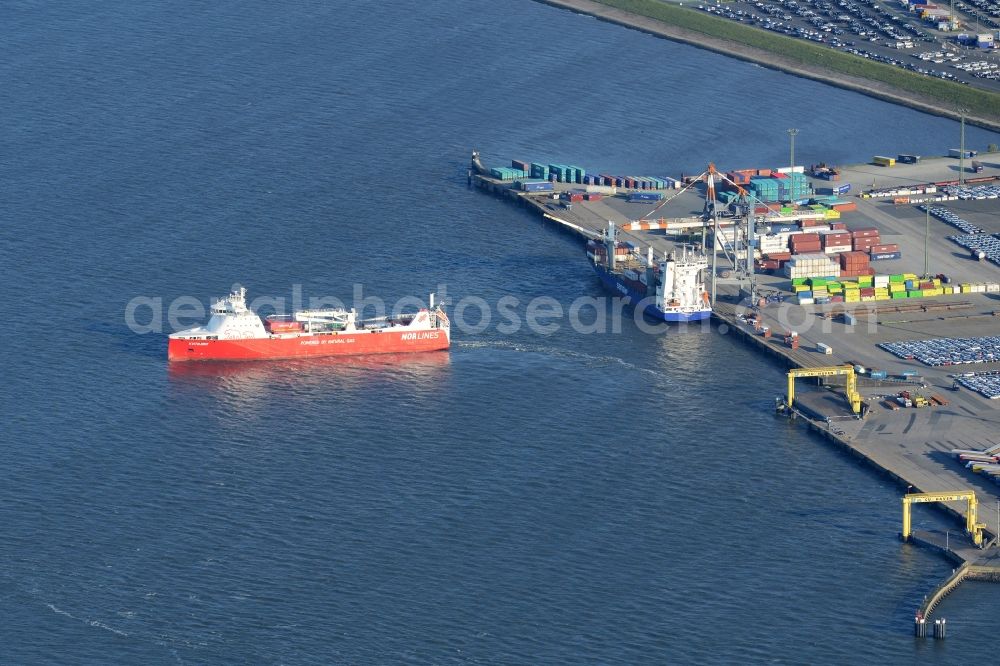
305	346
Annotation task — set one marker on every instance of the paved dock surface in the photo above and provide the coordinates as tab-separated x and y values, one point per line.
911	444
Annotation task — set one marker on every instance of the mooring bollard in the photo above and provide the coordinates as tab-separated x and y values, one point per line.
940	628
919	627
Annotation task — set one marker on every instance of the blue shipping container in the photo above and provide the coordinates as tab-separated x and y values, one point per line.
887	255
537	186
843	189
644	196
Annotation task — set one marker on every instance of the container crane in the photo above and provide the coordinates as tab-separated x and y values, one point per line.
851	390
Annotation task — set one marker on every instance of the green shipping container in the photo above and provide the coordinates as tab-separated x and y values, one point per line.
914	293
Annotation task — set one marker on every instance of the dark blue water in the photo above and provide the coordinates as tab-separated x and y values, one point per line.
525	498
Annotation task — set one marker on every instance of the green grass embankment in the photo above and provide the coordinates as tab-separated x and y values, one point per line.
946	95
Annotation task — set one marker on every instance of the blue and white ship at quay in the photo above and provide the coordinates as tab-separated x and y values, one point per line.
671	289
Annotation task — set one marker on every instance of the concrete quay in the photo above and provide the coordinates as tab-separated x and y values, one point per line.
910	445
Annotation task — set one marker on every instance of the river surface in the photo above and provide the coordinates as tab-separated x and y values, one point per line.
529	497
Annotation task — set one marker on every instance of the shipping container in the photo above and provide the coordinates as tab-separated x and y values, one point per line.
957	152
535	185
881	160
644	196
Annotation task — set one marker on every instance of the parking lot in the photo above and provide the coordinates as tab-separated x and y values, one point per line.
882	32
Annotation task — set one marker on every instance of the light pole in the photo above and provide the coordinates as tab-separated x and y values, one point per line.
791	154
961	150
927	233
947	540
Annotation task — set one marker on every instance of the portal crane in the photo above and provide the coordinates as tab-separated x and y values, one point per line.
851	390
972	527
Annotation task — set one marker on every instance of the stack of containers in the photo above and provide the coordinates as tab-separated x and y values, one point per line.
804	243
852	293
835	242
843	206
741	177
796	186
932	288
764	188
539	171
897	286
853	264
863	239
820	293
885	251
564	173
881	283
813	222
504	173
810	265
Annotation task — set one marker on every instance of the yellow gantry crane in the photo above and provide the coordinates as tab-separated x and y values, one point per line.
971	526
853	397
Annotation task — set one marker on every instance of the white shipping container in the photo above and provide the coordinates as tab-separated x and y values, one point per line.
824	348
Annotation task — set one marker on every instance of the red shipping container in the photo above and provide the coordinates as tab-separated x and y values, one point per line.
846	207
812	223
867	291
838	226
803	237
864	233
778	256
879	249
854	259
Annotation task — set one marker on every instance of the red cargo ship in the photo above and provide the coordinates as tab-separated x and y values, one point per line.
236	333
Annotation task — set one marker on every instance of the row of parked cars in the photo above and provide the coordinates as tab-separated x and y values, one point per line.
846	25
983	11
951	218
947	351
974	192
986	384
982	246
